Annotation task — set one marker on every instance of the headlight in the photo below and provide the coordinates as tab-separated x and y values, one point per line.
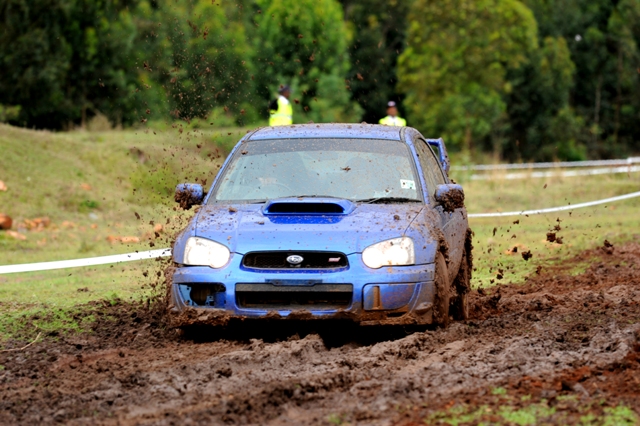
203	252
396	252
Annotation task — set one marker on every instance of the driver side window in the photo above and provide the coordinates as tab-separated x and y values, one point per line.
430	167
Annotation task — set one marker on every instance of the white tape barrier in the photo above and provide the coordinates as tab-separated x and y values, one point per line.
154	254
91	261
556	165
559	209
566	173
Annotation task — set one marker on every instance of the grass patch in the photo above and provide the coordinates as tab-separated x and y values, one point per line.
95	185
588	413
26	323
582	229
498	391
103	193
54	302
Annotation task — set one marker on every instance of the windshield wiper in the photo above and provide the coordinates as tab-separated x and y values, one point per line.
297	196
312	196
388	200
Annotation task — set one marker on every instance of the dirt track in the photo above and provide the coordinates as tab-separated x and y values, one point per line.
554	335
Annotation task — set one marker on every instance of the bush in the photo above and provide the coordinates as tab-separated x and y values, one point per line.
99	123
9	113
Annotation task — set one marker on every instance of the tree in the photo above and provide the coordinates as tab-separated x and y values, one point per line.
541	124
206	65
603	38
304	43
62	60
454	68
379	28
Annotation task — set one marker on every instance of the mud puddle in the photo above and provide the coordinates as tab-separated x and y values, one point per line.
554	335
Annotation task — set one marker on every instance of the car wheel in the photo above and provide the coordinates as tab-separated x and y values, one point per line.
460	303
441	300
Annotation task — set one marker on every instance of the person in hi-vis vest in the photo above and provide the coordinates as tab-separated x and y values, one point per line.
392	118
280	109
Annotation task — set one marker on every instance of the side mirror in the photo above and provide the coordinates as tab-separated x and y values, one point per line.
189	195
450	196
437	145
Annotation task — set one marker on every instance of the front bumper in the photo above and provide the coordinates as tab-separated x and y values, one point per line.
389	295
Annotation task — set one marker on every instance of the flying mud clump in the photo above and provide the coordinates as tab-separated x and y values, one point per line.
187	199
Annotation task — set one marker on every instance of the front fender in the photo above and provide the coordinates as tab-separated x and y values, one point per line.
427	237
181	241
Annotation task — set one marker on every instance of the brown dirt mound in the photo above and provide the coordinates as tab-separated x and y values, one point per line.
5	222
554	335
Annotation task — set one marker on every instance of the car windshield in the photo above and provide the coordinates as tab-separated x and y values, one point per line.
355	169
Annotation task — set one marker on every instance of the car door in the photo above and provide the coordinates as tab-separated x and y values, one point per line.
453	224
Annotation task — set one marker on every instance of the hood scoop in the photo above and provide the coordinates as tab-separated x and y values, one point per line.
308	207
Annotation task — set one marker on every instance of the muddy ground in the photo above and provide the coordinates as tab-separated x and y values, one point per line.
554	336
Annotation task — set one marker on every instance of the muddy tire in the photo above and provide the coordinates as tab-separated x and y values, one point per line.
441	300
462	283
460	303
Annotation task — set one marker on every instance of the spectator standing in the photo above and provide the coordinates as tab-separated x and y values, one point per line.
280	109
392	118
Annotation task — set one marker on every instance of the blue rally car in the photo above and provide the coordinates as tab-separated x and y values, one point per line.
321	221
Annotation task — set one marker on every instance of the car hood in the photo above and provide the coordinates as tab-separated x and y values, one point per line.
245	227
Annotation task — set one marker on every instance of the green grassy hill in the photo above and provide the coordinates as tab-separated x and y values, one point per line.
93	187
93	184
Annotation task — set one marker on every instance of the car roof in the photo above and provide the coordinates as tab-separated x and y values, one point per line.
338	131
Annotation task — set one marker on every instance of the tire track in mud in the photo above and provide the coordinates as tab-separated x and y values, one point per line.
142	374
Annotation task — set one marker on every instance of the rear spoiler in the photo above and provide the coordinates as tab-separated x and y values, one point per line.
441	152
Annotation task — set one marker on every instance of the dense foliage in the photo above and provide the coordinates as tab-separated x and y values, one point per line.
603	37
523	79
379	32
63	59
454	69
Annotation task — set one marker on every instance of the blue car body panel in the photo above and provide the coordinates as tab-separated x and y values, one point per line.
388	295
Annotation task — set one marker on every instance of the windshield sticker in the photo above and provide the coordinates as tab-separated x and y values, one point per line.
407	184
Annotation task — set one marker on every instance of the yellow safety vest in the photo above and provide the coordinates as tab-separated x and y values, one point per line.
393	121
284	115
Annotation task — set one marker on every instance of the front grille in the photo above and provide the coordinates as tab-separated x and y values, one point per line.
311	260
270	296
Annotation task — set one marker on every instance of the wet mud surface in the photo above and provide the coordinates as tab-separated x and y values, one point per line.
554	335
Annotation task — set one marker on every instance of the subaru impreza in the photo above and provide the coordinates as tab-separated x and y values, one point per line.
320	221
